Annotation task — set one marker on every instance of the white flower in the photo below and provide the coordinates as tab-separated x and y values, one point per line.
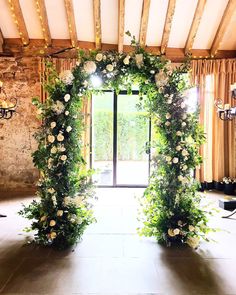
53	125
99	57
62	149
90	67
54	150
139	60
184	124
85	83
169	101
184	152
175	160
126	60
52	222
67	201
68	129
78	63
180	178
152	72
63	157
59	213
51	138
54	201
179	133
167	123
176	231
78	200
67	113
39	111
43	218
185	167
184	116
193	242
168	116
60	137
168	158
182	105
67	97
58	107
171	232
178	148
191	228
161	79
109	67
66	77
51	190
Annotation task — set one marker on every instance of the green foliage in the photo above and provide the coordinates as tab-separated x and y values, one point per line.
171	208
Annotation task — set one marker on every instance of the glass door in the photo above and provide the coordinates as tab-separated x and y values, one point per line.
120	135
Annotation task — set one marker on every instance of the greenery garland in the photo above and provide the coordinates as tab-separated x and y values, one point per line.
170	203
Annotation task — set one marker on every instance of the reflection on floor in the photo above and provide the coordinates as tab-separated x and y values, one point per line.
112	259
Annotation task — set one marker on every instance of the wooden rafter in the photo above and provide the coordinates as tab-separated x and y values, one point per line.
144	22
41	9
97	23
1	41
228	13
167	27
19	20
195	24
71	22
121	29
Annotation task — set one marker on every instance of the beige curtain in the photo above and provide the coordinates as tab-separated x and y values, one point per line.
62	64
213	78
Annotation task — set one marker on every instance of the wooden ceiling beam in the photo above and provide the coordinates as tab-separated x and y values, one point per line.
144	22
19	21
224	23
71	22
168	22
43	18
121	28
1	41
195	24
97	23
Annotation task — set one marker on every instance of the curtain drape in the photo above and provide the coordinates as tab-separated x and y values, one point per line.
62	64
213	79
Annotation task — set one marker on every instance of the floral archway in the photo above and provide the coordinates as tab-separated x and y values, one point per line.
170	205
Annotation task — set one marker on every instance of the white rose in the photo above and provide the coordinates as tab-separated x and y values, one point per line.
66	77
185	167
175	160
183	124
67	97
191	228
167	123
60	137
53	125
52	223
179	133
58	107
62	149
59	213
53	235
126	60
169	101
193	242
63	157
67	113
139	60
51	138
176	231
53	150
109	67
184	116
182	105
67	201
171	232
90	67
68	129
184	153
78	200
99	57
168	158
178	148
161	79
168	116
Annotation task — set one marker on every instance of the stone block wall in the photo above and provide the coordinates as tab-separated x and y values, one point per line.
21	80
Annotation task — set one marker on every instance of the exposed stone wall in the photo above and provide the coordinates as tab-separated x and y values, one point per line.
21	80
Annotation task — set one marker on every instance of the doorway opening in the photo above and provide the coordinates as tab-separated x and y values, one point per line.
120	137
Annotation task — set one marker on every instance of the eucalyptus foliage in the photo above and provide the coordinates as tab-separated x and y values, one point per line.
170	206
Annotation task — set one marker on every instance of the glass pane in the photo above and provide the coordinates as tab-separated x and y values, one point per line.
102	138
132	135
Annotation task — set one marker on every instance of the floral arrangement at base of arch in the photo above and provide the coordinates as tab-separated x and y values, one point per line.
170	206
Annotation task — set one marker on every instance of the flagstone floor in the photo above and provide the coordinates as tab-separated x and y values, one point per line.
112	259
